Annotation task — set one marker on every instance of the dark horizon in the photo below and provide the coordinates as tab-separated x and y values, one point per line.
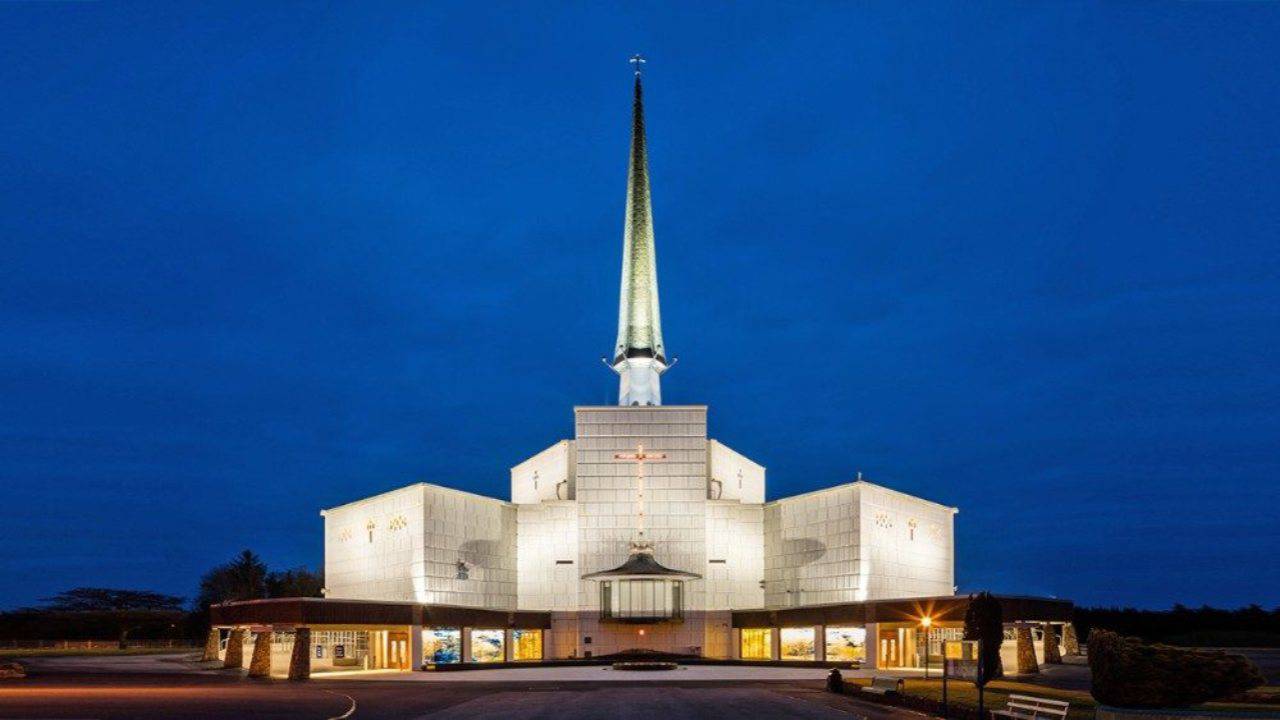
1021	260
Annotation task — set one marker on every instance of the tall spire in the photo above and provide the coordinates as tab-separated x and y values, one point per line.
639	356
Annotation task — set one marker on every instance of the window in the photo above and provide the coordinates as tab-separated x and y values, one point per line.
442	645
487	646
642	599
757	644
526	644
797	643
846	644
463	571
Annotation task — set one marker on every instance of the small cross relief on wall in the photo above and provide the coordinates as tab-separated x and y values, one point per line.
884	521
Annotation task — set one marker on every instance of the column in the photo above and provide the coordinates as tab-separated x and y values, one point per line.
1051	654
775	643
873	646
300	661
1070	643
735	643
417	648
820	643
466	644
260	663
235	649
508	645
212	645
1027	664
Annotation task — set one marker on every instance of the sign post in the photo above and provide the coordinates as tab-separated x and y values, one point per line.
962	659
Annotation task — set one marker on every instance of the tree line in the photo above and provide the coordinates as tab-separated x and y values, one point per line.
92	613
1205	626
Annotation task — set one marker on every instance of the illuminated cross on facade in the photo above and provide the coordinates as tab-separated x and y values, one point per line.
640	457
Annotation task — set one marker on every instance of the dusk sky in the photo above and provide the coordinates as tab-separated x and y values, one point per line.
1023	259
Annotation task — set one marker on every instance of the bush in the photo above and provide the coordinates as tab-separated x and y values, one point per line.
984	620
1130	673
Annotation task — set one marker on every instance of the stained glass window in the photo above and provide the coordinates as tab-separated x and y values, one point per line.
526	644
487	646
797	643
442	645
846	644
757	644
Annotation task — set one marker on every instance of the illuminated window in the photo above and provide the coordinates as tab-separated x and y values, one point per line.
911	529
486	646
797	643
846	644
642	599
526	644
757	644
442	645
398	523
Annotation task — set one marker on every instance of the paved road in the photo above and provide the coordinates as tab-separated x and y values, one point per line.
213	697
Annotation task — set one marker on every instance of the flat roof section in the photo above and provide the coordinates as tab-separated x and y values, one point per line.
945	608
327	611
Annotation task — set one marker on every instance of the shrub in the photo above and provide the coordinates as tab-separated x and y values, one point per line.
984	620
1130	673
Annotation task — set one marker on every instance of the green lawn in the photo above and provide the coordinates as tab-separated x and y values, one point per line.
10	653
998	691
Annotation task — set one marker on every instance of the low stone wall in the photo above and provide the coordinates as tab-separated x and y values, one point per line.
1106	712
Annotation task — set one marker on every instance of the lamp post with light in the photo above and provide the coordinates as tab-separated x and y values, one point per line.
926	622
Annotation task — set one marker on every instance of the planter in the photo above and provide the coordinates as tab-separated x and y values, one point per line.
645	665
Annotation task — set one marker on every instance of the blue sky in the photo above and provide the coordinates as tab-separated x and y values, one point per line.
1017	258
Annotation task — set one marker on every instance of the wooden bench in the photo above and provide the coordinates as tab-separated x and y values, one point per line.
1026	707
881	685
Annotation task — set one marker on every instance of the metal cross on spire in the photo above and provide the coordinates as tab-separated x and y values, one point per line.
638	60
640	457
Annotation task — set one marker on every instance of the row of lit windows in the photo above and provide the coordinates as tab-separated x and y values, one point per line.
444	645
842	644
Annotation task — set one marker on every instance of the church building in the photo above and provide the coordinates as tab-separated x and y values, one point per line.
638	535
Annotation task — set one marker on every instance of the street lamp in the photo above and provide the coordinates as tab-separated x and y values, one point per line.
926	622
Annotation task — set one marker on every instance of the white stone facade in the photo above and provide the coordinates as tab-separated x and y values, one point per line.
574	511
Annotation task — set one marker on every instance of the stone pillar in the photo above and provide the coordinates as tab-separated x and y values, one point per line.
508	645
775	643
300	661
1027	664
735	644
820	643
872	649
466	645
1070	643
417	648
212	645
235	649
260	663
1051	654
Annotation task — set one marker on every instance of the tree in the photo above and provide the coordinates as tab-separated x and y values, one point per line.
984	621
1130	673
298	582
125	610
244	578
